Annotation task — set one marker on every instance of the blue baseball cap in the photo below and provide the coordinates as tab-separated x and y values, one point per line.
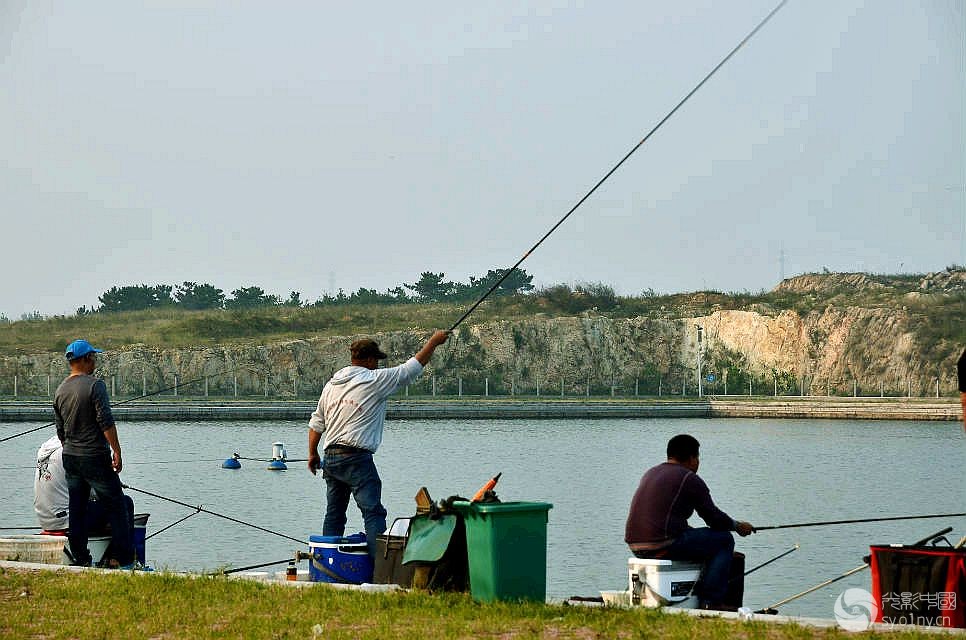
79	349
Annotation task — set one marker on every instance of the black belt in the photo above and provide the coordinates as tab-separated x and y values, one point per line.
344	448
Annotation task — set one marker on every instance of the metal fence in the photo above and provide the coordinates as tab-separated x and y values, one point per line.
252	383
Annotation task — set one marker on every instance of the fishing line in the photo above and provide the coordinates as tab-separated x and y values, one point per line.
160	531
141	397
618	165
831	522
127	464
238	457
212	513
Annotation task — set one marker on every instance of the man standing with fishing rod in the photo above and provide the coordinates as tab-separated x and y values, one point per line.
657	525
92	455
350	418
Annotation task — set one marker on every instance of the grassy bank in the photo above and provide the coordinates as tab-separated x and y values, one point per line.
87	605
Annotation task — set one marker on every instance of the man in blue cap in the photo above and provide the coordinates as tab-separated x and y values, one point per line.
92	455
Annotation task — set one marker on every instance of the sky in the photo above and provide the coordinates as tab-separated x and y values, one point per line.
315	146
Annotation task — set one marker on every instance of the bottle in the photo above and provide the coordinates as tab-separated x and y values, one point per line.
291	573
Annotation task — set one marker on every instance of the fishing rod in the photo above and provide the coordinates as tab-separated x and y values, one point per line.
141	397
212	513
251	566
160	531
859	520
768	562
607	175
774	608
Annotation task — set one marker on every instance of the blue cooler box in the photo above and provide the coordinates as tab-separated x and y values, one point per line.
340	559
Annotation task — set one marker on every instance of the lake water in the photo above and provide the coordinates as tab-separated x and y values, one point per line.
766	472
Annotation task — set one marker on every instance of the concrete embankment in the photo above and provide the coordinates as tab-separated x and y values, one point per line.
488	408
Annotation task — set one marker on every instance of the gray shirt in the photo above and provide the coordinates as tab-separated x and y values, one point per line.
82	412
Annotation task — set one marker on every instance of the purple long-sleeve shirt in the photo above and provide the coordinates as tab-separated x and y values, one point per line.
667	496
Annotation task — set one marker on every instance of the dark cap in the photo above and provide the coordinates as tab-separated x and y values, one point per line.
366	348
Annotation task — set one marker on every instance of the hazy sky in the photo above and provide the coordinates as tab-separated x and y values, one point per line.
293	145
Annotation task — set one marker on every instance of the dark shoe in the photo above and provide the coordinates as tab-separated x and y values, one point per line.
74	562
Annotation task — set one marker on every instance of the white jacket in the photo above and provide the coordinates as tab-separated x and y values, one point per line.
352	408
51	500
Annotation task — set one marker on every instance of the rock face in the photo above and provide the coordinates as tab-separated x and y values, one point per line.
873	349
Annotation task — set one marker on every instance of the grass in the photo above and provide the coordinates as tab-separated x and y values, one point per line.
87	605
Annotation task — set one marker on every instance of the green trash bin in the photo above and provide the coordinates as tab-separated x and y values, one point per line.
506	546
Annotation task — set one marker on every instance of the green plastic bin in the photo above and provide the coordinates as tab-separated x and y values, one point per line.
506	546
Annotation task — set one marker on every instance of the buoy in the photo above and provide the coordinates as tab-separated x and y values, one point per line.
278	457
231	463
278	451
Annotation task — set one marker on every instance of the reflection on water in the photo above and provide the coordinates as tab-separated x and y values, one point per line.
767	472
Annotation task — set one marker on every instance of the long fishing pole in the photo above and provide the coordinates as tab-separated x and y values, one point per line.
859	520
212	513
141	397
768	562
251	566
607	175
177	522
773	608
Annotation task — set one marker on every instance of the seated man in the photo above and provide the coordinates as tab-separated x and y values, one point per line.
657	525
51	500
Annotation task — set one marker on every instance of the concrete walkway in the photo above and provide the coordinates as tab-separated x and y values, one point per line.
940	409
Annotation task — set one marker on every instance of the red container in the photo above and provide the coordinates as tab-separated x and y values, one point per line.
919	585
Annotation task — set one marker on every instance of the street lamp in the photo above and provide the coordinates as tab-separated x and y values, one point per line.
700	385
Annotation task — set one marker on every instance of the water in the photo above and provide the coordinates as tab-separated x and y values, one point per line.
766	472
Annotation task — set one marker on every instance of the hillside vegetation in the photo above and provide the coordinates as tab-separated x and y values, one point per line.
815	334
936	301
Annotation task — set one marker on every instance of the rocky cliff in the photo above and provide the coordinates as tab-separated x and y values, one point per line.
891	344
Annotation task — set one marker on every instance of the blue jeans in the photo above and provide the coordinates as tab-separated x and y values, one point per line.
95	472
353	473
714	549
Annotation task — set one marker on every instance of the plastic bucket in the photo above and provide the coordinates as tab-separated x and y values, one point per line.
340	559
506	545
138	535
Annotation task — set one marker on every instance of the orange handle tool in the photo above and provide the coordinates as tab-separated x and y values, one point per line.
487	487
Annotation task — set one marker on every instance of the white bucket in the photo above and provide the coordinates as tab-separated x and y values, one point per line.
663	583
97	545
32	548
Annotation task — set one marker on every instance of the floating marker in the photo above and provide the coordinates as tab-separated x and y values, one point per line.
278	457
231	463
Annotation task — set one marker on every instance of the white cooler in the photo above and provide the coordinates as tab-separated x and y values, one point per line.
662	583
